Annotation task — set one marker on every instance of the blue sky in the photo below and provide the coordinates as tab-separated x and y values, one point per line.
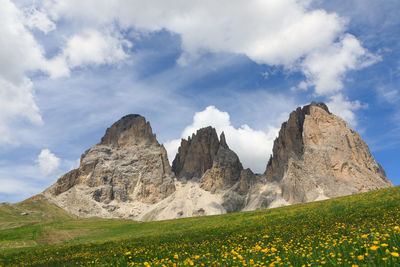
69	69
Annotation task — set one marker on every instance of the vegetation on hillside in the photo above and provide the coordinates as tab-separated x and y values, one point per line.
357	230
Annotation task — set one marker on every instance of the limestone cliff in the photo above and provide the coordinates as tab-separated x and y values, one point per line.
195	155
317	156
127	165
225	170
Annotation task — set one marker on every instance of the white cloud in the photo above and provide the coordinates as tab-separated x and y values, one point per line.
284	32
15	102
325	69
252	146
21	54
19	50
91	47
94	47
172	148
37	19
345	108
48	163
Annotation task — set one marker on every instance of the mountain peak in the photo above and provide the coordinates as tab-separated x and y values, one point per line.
130	129
317	155
196	154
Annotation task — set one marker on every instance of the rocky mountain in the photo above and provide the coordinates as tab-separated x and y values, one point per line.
127	165
317	156
127	175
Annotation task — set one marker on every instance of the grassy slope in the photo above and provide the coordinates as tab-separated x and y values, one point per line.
48	230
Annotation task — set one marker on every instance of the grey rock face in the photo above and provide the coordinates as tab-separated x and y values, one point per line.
129	130
224	172
237	196
128	164
317	155
195	155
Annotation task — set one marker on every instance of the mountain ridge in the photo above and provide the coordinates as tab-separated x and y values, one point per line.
127	175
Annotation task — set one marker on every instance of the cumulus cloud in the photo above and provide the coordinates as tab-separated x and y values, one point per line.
48	163
341	106
35	18
285	32
21	54
325	69
91	47
16	101
94	47
19	50
252	146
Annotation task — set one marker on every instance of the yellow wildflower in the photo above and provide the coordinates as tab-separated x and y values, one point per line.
373	248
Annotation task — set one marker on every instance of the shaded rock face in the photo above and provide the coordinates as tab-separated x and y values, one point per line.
218	166
238	195
209	158
128	164
195	155
228	177
225	170
317	156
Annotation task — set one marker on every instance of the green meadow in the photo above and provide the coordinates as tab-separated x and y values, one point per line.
358	230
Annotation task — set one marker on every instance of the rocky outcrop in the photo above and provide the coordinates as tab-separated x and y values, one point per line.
127	165
130	130
317	156
225	170
228	177
195	155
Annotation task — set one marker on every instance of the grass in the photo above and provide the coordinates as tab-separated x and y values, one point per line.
361	230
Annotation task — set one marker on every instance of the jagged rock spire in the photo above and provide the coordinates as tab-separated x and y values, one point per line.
222	141
195	155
